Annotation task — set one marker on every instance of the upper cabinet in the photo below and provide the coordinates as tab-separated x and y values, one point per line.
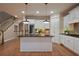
66	20
71	18
75	13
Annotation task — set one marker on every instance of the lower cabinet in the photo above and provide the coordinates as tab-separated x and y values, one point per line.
76	45
56	39
62	39
70	42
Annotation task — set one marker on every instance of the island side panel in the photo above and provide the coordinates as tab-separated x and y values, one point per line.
36	44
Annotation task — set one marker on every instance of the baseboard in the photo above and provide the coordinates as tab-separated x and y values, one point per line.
9	39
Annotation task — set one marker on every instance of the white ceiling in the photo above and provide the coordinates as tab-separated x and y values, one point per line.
55	7
33	7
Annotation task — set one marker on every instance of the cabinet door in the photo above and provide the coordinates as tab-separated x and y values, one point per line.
68	42
64	40
76	45
56	39
61	39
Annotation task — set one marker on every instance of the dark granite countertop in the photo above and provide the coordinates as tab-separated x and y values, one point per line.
35	36
73	35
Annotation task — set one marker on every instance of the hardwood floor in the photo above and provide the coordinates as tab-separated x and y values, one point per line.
11	48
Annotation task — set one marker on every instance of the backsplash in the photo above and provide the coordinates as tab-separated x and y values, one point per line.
76	27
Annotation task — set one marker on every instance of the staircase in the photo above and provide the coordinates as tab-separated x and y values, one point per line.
6	21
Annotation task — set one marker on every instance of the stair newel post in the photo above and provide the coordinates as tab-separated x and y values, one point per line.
2	37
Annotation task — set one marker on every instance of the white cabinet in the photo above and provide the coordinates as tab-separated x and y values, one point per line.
62	38
70	42
67	19
76	45
56	39
67	41
72	17
75	13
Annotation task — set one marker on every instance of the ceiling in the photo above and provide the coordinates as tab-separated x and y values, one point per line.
16	8
55	7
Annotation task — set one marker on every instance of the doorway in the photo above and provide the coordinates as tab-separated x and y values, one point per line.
31	29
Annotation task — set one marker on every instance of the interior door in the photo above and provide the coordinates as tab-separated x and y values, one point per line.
31	28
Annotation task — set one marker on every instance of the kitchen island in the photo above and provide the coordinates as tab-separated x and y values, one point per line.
36	43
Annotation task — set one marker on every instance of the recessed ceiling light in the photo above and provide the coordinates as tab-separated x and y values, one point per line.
51	12
23	12
37	12
26	22
16	16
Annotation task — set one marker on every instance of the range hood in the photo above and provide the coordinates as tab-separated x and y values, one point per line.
6	20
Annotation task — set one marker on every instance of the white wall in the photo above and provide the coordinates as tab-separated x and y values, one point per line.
54	23
54	27
9	34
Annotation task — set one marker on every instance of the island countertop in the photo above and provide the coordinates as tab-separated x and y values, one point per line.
36	36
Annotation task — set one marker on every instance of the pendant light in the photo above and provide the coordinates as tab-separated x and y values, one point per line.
26	21
46	21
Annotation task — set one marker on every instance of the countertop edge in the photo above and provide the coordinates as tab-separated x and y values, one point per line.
71	35
36	36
